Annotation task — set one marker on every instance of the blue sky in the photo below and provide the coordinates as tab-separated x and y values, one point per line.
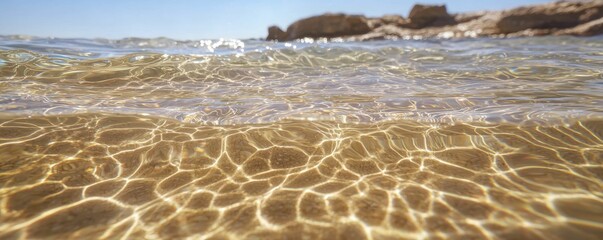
189	19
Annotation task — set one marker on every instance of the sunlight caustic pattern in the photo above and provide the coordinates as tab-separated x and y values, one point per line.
230	139
117	176
232	82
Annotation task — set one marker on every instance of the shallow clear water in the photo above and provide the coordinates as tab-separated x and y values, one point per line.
157	138
231	81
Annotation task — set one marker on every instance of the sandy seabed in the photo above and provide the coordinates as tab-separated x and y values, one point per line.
123	176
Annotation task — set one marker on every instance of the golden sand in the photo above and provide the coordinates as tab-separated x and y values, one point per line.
131	177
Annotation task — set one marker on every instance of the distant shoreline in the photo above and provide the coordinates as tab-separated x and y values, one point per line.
577	18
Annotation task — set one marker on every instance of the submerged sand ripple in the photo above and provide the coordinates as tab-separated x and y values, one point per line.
123	176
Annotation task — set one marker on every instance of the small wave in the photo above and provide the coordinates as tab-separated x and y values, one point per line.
234	81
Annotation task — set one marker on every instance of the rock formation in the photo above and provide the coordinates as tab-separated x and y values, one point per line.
579	18
429	16
591	28
551	15
327	25
276	33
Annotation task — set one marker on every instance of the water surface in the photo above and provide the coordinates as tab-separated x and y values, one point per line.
427	139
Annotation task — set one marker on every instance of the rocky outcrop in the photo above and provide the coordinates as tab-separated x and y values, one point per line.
551	15
580	18
396	20
429	16
327	25
276	33
591	28
470	16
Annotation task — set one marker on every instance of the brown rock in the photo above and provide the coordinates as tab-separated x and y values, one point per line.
591	28
551	15
369	37
580	18
329	26
276	33
393	20
470	16
374	22
429	16
531	33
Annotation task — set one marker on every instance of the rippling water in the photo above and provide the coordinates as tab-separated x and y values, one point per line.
158	138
